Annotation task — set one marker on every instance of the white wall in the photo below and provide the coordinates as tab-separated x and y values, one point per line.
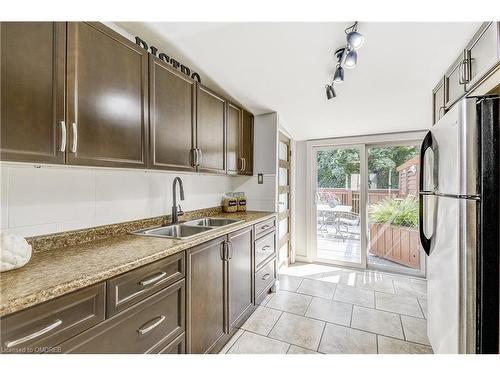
262	196
50	199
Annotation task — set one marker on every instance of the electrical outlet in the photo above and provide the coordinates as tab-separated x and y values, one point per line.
260	178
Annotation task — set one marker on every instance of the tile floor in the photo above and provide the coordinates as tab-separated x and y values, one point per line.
325	309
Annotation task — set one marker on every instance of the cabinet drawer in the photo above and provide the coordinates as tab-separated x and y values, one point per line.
132	287
264	227
265	277
265	247
143	328
52	322
178	346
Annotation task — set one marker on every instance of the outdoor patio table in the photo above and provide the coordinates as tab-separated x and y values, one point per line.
325	210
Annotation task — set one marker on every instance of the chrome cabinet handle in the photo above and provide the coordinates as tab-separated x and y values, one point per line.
264	248
159	319
223	250
34	335
244	164
200	156
62	148
264	227
266	276
192	156
230	247
461	77
75	138
153	279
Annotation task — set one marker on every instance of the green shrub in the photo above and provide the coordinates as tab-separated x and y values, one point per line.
400	212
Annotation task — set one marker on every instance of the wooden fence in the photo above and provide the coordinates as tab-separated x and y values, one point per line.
351	197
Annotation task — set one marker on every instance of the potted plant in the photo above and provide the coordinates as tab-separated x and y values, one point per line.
393	230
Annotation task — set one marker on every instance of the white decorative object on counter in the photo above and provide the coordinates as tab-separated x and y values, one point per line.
15	251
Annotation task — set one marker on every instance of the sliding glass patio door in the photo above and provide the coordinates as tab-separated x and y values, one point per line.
339	217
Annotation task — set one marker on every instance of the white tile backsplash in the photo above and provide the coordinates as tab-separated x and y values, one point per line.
48	195
35	201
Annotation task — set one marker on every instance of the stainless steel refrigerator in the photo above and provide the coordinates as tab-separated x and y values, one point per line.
459	227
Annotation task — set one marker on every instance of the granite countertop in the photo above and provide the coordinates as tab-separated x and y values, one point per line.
53	273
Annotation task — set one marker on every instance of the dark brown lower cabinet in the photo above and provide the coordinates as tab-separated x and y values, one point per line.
144	328
239	276
206	297
178	346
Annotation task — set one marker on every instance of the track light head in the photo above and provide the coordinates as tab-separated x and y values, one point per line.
351	59
330	92
354	39
338	76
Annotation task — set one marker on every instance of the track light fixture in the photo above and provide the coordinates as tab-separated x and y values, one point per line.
347	57
330	92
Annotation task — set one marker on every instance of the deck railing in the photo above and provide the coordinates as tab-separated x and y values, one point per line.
348	197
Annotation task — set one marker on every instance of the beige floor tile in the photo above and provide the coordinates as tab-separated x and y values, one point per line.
340	276
387	345
342	340
262	320
398	304
415	329
330	311
376	282
267	299
298	350
317	288
290	302
306	270
376	321
298	330
356	296
423	305
231	341
410	289
251	343
289	283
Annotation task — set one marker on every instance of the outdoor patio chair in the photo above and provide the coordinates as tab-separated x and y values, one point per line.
346	221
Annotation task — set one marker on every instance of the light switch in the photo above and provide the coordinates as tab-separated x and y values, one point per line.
260	178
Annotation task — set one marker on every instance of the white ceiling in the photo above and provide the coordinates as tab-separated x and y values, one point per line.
284	67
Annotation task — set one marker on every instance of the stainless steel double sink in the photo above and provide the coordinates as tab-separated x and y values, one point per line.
188	229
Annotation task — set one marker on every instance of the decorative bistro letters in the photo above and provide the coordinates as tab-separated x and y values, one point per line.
162	56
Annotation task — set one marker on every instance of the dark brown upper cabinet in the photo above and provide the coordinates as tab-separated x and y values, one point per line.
206	296
239	276
246	143
32	91
107	79
233	120
172	117
210	125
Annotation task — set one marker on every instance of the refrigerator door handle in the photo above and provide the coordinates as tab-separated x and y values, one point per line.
426	242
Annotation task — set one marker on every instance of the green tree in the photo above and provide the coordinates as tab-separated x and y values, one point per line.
336	166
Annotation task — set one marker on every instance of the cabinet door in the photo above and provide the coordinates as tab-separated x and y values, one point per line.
32	91
171	117
206	297
438	101
239	275
233	160
483	52
210	130
107	100
454	82
246	146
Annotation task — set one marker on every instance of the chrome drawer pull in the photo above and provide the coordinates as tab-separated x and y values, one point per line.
264	248
265	227
266	276
153	279
34	335
159	320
